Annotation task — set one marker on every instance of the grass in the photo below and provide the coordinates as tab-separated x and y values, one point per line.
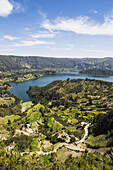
3	132
49	114
34	117
98	140
34	109
7	101
82	100
45	159
57	126
50	122
76	111
72	129
4	120
74	121
33	114
35	145
26	106
47	146
61	154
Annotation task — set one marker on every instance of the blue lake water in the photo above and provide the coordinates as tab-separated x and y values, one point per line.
19	89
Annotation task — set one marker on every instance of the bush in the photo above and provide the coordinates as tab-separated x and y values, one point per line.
110	142
93	146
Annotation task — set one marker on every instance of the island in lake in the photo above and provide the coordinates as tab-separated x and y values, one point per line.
50	72
97	71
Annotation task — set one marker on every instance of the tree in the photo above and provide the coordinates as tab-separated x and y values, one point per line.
9	122
90	101
53	157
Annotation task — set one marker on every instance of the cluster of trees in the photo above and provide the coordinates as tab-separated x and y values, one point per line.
78	95
103	124
22	142
4	87
55	139
51	92
83	95
13	109
50	72
69	92
19	76
97	71
13	160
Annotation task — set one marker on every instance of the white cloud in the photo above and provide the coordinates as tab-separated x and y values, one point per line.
10	37
66	47
27	29
90	45
81	25
32	43
17	7
7	49
70	45
98	51
6	8
93	11
45	34
61	49
42	14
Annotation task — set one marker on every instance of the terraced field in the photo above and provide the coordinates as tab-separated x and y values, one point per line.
68	117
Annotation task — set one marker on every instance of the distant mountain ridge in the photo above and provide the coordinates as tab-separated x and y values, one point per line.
8	63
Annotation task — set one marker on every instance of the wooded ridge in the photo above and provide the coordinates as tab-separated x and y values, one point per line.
8	63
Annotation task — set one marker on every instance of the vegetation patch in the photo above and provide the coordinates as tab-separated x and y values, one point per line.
10	119
99	141
26	105
35	145
61	156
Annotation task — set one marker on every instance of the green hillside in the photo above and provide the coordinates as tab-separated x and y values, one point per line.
8	63
97	72
69	125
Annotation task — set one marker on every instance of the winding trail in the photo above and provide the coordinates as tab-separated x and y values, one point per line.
85	135
73	147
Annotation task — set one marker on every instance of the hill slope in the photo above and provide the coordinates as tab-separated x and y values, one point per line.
50	134
97	72
8	63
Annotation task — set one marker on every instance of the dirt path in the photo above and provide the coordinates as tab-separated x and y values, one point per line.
75	147
85	135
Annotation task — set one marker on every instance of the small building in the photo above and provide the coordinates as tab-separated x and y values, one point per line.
83	123
30	130
11	146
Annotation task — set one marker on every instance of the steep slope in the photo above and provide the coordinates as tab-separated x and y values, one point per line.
8	63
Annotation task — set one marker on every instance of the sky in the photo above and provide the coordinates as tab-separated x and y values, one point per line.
56	28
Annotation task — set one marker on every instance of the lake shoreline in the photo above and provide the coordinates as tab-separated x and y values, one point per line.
19	88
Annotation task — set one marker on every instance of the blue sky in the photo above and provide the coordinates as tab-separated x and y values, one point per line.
56	28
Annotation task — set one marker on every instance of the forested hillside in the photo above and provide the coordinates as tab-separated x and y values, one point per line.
92	99
68	126
8	63
97	71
